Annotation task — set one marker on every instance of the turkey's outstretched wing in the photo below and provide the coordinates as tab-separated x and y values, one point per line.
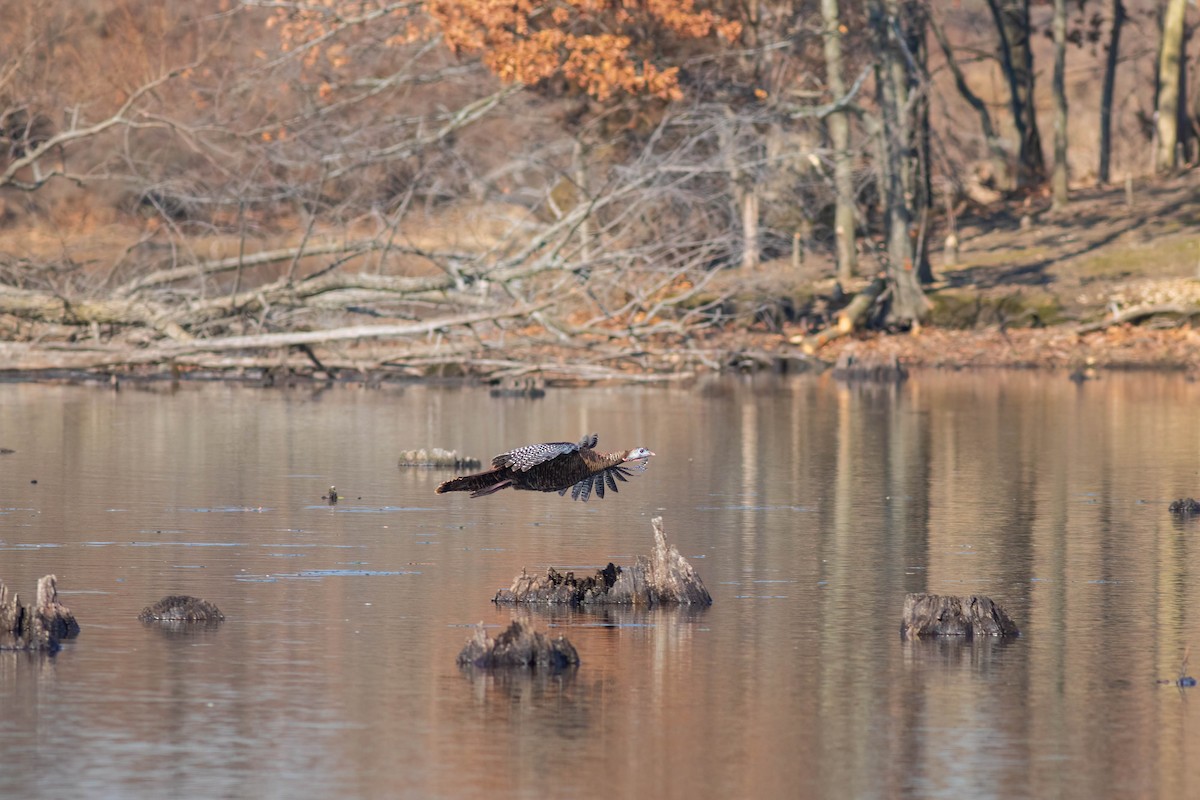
526	458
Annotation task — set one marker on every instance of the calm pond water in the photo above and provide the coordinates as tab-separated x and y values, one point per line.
809	509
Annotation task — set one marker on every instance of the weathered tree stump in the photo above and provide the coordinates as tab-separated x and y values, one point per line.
437	457
946	615
37	628
518	646
665	577
1185	507
181	608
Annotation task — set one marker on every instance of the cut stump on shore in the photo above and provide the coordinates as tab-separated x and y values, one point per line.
948	615
849	318
37	628
663	578
517	646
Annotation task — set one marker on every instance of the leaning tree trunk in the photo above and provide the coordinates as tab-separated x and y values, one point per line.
999	155
1106	91
839	135
1016	59
1059	179
1169	80
895	130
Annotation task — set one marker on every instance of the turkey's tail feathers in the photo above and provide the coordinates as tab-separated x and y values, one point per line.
478	485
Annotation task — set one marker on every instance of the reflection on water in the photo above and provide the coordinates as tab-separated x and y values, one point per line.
808	507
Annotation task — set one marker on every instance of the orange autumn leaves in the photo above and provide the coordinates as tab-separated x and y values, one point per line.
590	43
598	46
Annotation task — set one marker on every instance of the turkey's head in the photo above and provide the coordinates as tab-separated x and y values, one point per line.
638	454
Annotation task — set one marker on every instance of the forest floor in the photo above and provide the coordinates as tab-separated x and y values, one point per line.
1111	282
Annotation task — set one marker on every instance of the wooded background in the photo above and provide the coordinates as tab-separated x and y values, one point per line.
204	182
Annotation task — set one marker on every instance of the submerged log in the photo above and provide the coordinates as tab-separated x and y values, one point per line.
518	646
664	577
181	608
531	387
37	628
876	368
437	457
946	615
1185	507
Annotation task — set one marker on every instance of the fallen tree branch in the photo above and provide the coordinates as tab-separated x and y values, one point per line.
352	333
204	269
44	307
1137	314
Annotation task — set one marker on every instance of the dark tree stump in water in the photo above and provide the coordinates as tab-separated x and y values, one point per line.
1185	507
518	646
37	628
946	615
181	608
56	617
663	577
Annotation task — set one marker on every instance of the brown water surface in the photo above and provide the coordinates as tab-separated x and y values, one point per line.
809	509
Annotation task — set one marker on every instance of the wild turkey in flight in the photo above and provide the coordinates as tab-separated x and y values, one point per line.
554	467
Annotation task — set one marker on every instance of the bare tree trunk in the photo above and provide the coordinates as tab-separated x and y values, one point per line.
1169	78
1059	178
918	188
1106	92
895	130
750	250
583	192
1016	59
839	134
742	189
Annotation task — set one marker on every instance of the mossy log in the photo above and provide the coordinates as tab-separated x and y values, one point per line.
518	646
663	578
947	615
437	457
37	628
